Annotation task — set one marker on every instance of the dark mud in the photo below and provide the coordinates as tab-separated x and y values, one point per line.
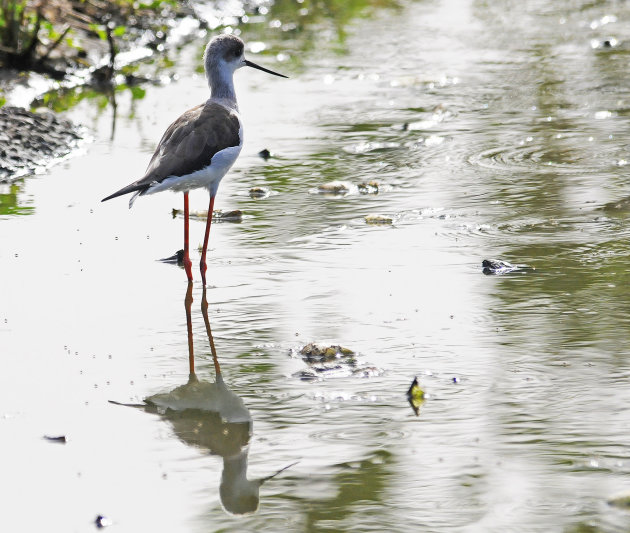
30	141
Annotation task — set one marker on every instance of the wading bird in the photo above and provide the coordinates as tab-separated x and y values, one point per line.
199	148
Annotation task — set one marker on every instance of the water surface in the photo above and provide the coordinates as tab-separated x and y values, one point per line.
494	130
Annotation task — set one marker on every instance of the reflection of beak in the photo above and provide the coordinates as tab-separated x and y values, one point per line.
261	481
254	65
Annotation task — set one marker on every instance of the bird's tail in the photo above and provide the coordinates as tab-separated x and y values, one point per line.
138	188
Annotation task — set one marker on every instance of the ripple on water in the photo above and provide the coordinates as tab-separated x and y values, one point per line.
559	153
359	434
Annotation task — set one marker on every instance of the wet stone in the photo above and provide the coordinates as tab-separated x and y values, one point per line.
332	361
622	500
334	187
314	353
217	215
499	267
370	187
258	192
59	439
227	216
378	220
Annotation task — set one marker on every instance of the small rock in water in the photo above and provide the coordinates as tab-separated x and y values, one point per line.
496	266
378	219
334	187
61	439
314	353
330	361
258	192
265	154
621	500
102	521
217	215
227	216
370	187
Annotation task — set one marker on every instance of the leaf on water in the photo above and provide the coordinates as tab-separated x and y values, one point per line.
415	395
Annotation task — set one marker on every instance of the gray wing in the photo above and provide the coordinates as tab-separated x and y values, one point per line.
188	145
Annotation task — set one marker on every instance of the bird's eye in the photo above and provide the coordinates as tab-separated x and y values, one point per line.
237	53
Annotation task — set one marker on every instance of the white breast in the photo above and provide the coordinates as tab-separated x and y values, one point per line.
208	177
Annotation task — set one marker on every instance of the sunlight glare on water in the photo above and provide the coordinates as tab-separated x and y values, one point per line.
476	131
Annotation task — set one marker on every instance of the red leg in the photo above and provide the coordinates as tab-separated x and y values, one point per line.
204	312
202	265
188	305
187	261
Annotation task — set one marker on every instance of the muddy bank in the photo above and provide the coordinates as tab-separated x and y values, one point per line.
29	141
71	42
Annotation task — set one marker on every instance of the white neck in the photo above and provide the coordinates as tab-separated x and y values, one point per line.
221	83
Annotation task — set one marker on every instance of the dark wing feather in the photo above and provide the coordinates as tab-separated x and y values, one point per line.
189	144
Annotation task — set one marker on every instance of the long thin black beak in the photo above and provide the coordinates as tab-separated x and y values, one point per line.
254	65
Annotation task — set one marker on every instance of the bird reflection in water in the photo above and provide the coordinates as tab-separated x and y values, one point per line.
211	416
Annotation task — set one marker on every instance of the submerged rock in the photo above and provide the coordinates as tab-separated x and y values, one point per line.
314	353
259	192
217	215
378	219
370	187
265	154
497	266
621	206
335	188
227	216
60	439
621	500
29	141
334	360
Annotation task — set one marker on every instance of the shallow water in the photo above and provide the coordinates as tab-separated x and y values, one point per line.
494	130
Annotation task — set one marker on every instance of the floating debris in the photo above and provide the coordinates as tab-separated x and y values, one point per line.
60	439
217	215
378	219
340	188
265	154
416	396
259	192
370	187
